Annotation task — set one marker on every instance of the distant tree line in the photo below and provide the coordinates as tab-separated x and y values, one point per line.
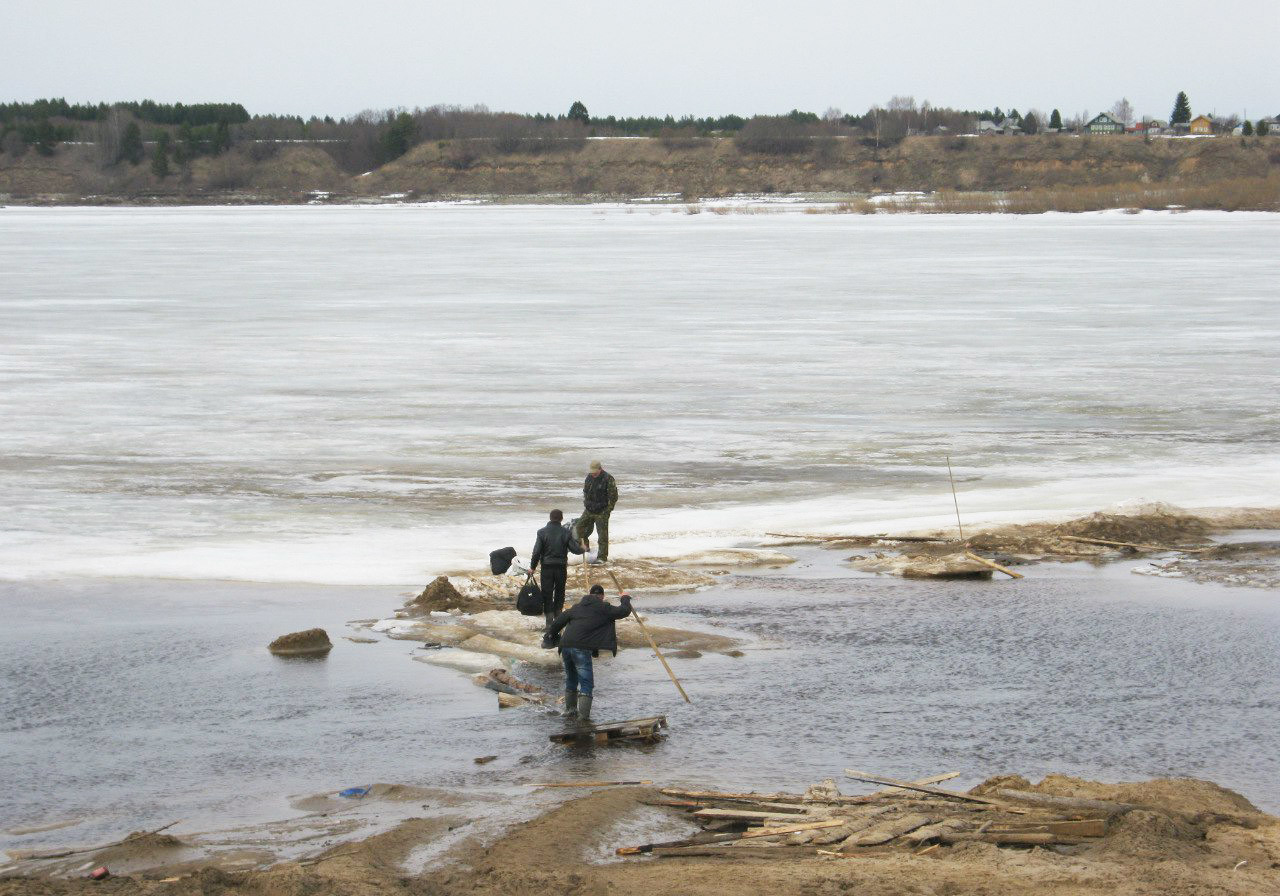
196	114
201	128
179	133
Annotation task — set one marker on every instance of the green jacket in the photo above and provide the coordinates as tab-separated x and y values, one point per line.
599	493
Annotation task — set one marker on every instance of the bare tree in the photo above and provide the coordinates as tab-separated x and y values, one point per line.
1122	111
109	136
832	114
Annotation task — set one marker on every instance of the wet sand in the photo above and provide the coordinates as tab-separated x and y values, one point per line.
1188	838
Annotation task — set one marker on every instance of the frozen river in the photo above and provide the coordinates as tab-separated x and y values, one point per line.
368	395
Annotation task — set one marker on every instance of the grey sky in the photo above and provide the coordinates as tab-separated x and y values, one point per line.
656	57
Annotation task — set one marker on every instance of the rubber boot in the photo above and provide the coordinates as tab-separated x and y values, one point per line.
584	709
571	704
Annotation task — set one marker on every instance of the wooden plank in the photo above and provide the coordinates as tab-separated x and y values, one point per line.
722	795
800	799
1081	827
923	788
933	831
996	566
793	828
919	782
1049	801
647	722
696	840
1114	544
1007	838
590	784
771	853
890	830
743	814
755	805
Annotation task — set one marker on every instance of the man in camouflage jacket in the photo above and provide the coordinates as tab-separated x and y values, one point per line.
599	494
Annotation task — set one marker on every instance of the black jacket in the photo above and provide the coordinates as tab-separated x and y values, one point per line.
552	546
589	624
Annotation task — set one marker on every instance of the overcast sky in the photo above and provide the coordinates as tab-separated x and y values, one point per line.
656	57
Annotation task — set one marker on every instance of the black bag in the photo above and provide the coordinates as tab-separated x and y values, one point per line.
500	560
529	600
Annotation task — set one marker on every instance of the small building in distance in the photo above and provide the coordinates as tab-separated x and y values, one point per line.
1201	124
1102	123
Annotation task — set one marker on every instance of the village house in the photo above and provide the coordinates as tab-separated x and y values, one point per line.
1102	123
1150	127
1201	124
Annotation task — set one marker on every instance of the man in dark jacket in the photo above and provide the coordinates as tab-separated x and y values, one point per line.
589	627
551	549
599	494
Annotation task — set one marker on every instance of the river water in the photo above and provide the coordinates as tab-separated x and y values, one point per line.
221	424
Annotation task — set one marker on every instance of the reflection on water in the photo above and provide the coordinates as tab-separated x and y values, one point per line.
139	703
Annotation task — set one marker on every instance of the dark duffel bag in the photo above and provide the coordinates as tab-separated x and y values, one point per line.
500	560
529	600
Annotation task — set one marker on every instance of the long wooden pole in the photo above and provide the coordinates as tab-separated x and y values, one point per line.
996	566
954	499
652	643
968	553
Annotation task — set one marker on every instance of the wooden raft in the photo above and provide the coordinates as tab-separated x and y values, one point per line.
645	730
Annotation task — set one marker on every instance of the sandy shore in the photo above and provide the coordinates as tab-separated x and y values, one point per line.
1176	836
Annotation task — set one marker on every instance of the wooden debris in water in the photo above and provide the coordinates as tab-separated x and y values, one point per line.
646	730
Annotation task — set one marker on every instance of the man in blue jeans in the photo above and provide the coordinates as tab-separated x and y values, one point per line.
589	626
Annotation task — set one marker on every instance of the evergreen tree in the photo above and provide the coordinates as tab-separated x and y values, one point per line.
578	112
187	148
397	137
131	149
1015	117
45	137
1263	128
160	156
1029	124
1181	109
997	116
1247	129
221	137
1055	120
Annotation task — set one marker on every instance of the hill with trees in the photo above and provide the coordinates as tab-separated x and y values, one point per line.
54	151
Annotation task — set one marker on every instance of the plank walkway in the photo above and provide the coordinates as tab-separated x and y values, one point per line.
647	730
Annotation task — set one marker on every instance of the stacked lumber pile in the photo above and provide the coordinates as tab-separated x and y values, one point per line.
906	815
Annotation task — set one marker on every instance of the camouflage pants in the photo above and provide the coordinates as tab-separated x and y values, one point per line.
599	522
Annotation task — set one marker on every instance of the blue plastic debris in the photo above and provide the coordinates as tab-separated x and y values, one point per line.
355	792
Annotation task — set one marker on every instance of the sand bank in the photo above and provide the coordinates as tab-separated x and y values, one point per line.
1171	836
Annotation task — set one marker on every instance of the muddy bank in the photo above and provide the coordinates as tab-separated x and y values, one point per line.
1188	543
1169	836
467	621
1254	564
481	590
621	168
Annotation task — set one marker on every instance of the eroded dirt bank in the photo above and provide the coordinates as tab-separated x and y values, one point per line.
1242	171
1172	836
